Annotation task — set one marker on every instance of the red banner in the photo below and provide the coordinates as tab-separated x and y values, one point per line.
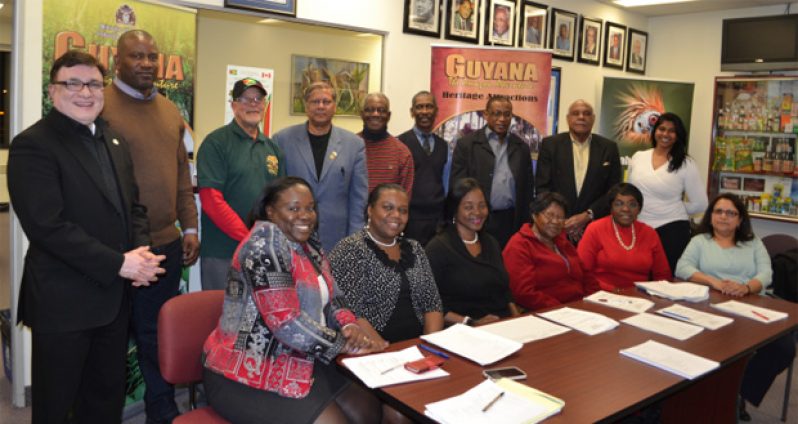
464	78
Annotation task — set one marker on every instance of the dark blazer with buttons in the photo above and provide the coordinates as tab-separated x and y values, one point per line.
77	235
555	172
473	157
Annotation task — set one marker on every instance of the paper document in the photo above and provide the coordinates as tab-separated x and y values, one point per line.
472	343
704	319
665	326
589	323
525	329
750	311
504	401
690	292
670	359
626	303
385	369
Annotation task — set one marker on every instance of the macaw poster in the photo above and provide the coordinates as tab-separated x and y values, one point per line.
95	25
631	107
464	78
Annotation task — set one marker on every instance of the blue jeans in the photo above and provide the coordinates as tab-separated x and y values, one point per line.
159	396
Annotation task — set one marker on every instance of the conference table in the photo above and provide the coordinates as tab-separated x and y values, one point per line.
598	384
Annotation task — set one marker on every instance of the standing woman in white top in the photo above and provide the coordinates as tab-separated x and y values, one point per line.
664	175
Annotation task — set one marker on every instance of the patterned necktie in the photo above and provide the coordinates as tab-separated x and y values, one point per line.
427	143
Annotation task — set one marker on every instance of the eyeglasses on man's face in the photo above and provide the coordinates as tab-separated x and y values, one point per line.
76	85
254	101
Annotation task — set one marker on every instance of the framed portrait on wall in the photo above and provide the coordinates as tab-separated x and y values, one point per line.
589	41
462	20
562	40
422	17
614	43
500	24
285	7
532	19
636	46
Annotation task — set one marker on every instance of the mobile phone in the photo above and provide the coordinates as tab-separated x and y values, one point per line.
513	373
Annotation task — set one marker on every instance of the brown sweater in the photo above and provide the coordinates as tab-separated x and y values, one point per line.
154	131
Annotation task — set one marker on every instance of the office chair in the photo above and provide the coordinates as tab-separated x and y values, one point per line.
775	244
184	323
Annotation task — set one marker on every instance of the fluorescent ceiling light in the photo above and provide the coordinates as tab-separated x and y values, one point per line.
1	5
636	3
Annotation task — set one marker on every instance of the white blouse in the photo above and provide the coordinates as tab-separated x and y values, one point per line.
663	191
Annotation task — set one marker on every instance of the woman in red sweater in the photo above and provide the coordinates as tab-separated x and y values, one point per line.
543	265
618	250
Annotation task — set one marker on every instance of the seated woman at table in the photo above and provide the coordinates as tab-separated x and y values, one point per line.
618	250
385	277
543	265
728	257
467	261
275	365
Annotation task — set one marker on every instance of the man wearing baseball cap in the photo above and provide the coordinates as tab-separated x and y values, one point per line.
234	163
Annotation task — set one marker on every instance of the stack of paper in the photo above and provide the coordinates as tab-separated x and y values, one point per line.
704	319
589	323
676	291
666	327
525	329
504	401
670	359
750	311
626	303
385	369
479	346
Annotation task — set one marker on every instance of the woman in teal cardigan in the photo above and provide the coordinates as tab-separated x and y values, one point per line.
726	256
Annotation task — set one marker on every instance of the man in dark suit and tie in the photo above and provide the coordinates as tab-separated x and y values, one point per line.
71	184
430	155
581	166
501	162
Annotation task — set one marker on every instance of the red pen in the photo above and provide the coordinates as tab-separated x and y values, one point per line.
760	315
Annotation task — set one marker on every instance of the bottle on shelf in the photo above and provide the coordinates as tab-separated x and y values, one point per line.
788	161
767	161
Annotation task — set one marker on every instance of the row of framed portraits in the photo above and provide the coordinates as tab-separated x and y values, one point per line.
526	24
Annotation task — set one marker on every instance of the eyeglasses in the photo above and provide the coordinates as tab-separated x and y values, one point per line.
380	110
554	218
500	114
317	102
618	204
728	212
254	101
76	86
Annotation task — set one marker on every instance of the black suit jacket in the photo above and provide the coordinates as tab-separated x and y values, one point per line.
77	235
474	158
555	172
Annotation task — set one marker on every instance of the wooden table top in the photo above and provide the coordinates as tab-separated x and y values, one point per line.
588	372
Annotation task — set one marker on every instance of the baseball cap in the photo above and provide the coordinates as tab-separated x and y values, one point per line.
243	84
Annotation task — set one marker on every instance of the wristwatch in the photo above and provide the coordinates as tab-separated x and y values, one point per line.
467	320
590	213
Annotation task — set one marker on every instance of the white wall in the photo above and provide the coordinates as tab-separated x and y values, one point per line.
687	48
407	57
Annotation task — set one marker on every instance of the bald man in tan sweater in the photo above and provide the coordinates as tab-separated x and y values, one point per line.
153	127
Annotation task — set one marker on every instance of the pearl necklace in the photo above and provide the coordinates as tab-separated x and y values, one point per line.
620	240
379	243
476	239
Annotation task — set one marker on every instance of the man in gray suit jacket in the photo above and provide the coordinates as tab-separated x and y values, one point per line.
332	160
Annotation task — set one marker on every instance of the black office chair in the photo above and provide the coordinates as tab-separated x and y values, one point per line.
777	244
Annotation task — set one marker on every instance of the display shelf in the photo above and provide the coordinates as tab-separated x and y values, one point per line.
753	148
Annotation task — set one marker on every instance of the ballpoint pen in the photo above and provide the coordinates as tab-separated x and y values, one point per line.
492	402
675	315
760	315
434	351
390	369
